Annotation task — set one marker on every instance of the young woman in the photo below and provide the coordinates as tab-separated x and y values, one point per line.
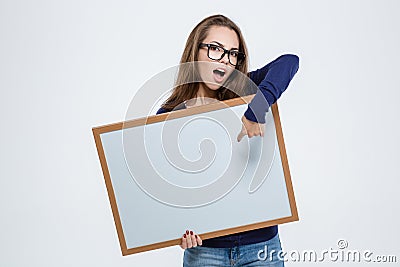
218	40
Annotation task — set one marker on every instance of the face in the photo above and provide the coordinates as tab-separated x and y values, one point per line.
216	72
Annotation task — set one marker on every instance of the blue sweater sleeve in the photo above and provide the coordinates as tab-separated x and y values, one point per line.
272	80
161	110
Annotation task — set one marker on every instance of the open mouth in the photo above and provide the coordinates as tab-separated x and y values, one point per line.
219	75
219	72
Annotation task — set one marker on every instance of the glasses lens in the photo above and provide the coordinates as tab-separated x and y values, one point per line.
215	52
233	57
236	57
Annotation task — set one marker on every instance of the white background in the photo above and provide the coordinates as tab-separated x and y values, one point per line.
68	66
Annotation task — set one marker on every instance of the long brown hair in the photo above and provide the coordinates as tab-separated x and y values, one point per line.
184	89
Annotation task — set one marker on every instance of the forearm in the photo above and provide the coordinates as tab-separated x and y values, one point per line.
277	76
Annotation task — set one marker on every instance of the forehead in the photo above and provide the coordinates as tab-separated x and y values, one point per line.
223	35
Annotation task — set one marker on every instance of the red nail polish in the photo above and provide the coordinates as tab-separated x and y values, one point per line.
191	232
184	235
187	232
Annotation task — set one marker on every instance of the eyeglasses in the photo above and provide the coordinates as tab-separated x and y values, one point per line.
216	52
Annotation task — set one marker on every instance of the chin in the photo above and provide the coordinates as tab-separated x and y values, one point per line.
212	86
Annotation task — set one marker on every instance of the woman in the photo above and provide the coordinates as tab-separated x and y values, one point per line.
219	41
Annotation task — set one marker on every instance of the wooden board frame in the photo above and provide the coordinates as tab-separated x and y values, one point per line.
97	131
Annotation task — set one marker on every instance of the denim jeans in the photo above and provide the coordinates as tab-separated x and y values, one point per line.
257	254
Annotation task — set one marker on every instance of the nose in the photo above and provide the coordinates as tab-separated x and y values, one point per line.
224	59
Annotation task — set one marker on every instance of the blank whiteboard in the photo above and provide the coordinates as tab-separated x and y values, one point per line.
205	181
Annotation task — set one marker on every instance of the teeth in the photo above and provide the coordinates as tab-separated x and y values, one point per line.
219	71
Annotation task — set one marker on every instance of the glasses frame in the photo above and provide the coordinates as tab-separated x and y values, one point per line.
226	51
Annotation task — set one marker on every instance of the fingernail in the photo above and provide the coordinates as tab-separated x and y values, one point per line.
191	232
195	236
187	232
184	235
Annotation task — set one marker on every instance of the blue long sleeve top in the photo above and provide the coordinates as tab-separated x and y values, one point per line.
272	80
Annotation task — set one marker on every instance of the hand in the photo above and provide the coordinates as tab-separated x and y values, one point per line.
190	239
251	128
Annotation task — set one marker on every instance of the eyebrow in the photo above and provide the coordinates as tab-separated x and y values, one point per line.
234	48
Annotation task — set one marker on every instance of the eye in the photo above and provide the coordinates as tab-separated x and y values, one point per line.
215	48
234	53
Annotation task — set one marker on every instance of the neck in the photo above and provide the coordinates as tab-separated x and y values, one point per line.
204	96
204	91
